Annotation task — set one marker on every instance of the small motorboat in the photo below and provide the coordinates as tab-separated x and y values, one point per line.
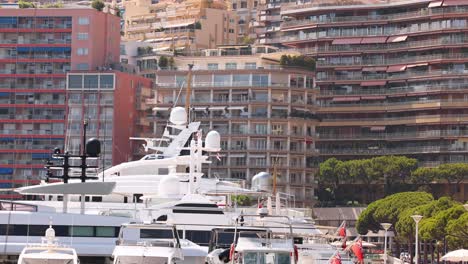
48	252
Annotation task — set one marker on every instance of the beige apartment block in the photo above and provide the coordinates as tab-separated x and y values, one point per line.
178	25
263	111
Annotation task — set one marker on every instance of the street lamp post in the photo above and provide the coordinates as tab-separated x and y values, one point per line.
416	219
385	226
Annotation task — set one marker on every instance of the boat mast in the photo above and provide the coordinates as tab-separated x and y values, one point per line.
188	92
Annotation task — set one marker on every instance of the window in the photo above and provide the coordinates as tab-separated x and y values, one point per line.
243	4
231	30
82	66
259	80
231	66
91	81
250	65
83	21
241	79
234	6
107	81
75	81
82	51
81	231
82	36
212	66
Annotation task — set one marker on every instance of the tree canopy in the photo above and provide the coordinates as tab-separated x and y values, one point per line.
98	5
442	219
380	176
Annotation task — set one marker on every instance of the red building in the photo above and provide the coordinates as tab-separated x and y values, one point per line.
114	105
37	48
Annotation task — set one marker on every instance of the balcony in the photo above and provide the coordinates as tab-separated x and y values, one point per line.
406	45
32	132
385	76
387	121
312	36
393	106
388	61
392	151
397	90
355	19
393	136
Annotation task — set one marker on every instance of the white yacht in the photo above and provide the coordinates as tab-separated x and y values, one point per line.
155	243
92	227
48	252
167	194
259	247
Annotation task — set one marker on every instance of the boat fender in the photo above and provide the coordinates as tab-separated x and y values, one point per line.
231	251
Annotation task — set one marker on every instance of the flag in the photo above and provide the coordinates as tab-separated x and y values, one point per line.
358	251
343	246
342	229
336	259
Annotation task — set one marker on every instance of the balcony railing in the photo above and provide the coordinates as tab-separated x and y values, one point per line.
441	102
391	119
384	47
396	135
383	76
389	61
387	151
385	33
398	90
31	132
390	17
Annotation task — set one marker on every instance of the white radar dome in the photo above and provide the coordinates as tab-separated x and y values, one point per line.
169	186
178	116
213	141
262	181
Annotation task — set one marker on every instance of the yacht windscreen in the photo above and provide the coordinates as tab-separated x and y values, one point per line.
156	233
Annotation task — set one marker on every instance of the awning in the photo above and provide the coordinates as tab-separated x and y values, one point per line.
200	108
455	2
279	107
346	99
217	108
397	39
301	109
374	69
257	156
435	3
178	25
374	40
377	128
242	108
346	41
417	65
373	97
374	83
236	155
396	68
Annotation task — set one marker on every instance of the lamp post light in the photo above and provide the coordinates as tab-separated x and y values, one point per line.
416	219
385	226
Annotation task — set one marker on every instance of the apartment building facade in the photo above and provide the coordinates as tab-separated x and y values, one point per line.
37	48
173	25
262	111
114	106
392	76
